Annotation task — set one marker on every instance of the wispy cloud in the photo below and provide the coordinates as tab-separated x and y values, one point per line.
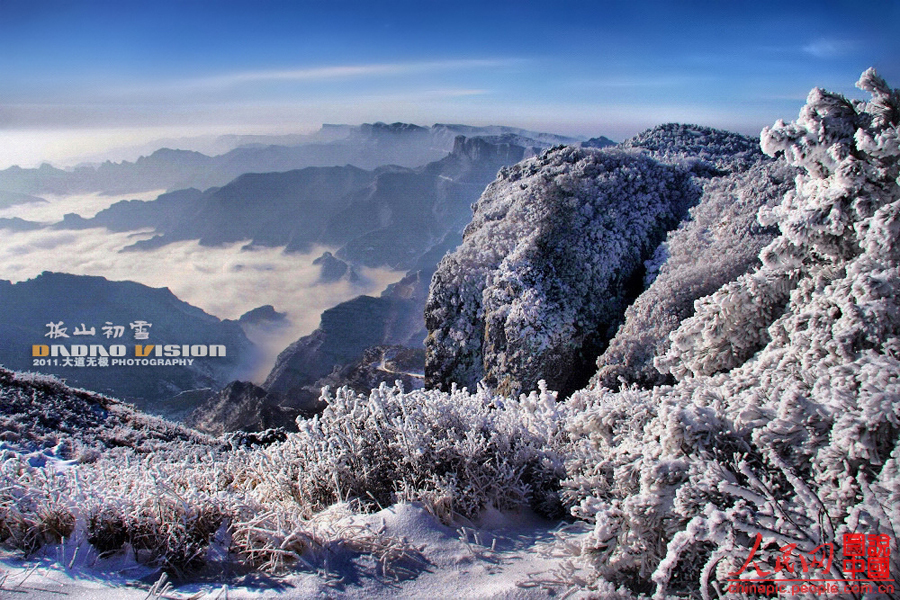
333	73
830	47
649	81
355	71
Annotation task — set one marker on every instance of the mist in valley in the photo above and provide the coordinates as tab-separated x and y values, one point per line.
225	281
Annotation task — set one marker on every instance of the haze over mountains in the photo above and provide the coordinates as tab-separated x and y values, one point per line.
385	217
366	146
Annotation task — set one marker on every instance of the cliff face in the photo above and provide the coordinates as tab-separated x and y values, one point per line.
553	256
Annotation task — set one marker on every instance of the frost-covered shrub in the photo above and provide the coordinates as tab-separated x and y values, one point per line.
163	507
843	204
31	517
178	504
719	242
551	259
785	421
729	326
457	452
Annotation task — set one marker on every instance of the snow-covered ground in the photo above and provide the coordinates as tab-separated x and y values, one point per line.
505	555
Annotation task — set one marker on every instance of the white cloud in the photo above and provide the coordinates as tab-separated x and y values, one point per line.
830	48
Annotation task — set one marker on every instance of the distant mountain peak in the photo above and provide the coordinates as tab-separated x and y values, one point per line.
397	127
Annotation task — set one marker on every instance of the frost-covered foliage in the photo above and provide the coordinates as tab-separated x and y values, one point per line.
549	263
719	242
785	421
704	150
179	502
458	453
836	230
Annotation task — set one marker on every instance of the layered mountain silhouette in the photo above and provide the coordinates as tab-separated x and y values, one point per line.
388	216
366	146
8	199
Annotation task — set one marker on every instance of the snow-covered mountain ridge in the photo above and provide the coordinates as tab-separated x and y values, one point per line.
545	268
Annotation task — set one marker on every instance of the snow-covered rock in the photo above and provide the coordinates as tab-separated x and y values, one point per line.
720	241
551	259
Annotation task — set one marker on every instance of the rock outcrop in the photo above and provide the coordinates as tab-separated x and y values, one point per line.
344	334
333	269
242	406
553	256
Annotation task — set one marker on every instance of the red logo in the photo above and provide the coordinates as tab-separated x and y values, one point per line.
865	565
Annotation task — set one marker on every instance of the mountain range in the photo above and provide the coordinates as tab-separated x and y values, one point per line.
388	216
366	146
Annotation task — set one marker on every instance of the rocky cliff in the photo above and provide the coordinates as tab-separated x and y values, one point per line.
553	256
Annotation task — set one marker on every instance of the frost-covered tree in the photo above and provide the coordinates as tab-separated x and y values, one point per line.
785	421
550	261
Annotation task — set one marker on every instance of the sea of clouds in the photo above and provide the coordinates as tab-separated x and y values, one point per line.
225	281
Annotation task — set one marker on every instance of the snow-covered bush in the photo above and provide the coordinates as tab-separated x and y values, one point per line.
162	506
841	215
458	452
30	516
547	266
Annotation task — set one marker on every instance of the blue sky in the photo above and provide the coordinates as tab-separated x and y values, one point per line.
77	75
